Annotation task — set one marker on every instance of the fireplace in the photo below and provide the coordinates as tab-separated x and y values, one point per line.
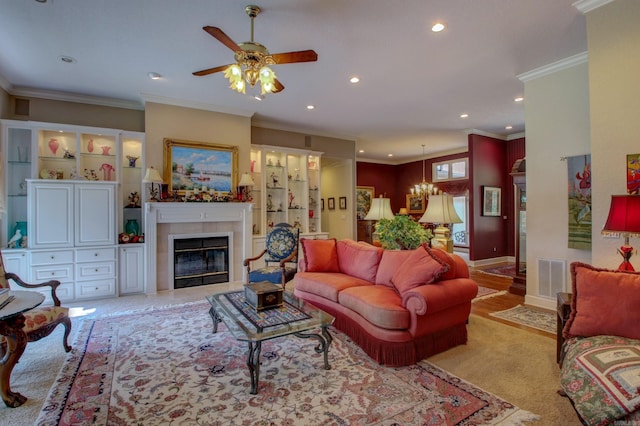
200	260
194	220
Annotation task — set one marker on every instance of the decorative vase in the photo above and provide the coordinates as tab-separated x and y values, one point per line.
105	149
90	145
132	160
53	145
132	227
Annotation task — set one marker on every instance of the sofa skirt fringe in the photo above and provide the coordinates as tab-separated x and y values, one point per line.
440	341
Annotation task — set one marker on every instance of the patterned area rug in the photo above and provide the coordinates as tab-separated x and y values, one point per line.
486	293
167	367
535	318
503	271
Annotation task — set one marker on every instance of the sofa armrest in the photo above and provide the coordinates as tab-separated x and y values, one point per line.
462	269
440	295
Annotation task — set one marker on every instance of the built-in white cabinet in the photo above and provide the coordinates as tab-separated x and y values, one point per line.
131	261
16	261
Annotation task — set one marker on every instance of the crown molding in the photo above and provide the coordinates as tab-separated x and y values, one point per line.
554	67
483	133
516	136
282	127
586	6
76	97
5	84
195	105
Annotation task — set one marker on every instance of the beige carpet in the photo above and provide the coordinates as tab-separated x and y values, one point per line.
512	363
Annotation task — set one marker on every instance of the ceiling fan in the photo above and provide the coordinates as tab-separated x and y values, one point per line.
253	60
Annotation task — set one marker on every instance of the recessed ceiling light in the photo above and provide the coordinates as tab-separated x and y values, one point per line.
67	59
389	155
438	26
465	115
354	79
361	151
41	1
508	127
154	76
310	107
519	99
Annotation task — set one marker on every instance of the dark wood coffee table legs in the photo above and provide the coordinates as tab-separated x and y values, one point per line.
16	342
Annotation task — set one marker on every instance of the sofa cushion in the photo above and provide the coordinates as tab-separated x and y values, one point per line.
379	305
604	302
320	255
359	259
389	263
449	260
326	284
418	269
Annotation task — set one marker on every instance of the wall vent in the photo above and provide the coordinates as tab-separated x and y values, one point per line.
551	277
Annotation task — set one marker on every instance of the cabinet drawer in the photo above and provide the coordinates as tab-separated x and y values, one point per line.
52	272
96	254
97	288
51	257
95	270
64	292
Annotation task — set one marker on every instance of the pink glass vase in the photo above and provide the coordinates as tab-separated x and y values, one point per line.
53	145
105	149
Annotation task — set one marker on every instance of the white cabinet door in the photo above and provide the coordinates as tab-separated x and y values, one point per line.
131	264
50	212
95	214
16	261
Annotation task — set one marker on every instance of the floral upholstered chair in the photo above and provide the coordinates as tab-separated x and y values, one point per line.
42	320
280	256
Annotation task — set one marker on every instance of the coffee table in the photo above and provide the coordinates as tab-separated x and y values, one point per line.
296	317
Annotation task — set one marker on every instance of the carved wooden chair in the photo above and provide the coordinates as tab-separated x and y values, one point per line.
42	320
280	256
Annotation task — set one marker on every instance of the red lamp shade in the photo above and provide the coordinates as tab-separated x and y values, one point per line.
624	216
624	220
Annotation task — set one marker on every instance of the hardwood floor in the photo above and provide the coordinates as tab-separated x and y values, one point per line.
499	303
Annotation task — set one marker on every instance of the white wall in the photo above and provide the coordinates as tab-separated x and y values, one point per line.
338	180
557	119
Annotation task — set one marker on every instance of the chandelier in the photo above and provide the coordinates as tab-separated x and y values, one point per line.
252	66
424	188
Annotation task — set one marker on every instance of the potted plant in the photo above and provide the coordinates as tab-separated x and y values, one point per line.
401	233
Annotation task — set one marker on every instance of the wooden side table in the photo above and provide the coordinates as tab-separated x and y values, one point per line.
11	327
564	310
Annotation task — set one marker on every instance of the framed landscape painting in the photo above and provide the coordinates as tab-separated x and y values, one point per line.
189	165
491	201
415	203
364	195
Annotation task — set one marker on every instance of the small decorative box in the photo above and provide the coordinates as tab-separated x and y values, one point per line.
263	295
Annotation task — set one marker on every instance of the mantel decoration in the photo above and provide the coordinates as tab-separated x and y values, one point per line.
199	171
152	176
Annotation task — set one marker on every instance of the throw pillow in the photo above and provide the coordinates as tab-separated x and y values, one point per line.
359	259
419	268
604	302
445	257
320	255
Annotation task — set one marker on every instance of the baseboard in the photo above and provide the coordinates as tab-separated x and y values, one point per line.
491	261
540	302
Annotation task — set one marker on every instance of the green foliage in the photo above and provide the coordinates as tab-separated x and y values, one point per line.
401	232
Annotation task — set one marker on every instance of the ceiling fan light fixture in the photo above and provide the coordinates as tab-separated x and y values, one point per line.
267	80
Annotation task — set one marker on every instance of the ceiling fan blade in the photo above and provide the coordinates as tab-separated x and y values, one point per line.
219	35
292	57
211	70
279	86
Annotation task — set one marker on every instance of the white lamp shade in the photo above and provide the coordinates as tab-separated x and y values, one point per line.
246	180
152	176
440	210
380	209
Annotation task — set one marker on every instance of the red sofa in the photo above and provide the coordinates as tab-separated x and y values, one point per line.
398	306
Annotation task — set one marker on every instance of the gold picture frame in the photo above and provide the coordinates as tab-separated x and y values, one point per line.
189	165
415	204
364	196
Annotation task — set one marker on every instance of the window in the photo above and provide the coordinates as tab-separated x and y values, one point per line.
450	170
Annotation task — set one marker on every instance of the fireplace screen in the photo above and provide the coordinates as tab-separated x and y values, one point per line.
200	261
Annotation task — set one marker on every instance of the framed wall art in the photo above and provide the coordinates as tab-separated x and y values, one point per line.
491	201
633	174
415	203
364	195
331	203
189	165
342	203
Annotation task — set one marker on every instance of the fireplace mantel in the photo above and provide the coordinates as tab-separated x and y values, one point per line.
195	218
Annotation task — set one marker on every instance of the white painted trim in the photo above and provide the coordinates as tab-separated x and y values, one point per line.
586	6
483	133
195	105
516	136
540	302
554	67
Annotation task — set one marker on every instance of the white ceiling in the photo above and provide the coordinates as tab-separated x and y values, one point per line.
414	83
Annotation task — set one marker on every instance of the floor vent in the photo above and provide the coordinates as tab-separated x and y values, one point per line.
551	277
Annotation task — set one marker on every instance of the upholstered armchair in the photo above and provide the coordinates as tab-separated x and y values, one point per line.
42	320
280	256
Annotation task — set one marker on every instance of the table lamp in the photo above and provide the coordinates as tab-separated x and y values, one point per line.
152	176
245	181
624	220
380	209
440	211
